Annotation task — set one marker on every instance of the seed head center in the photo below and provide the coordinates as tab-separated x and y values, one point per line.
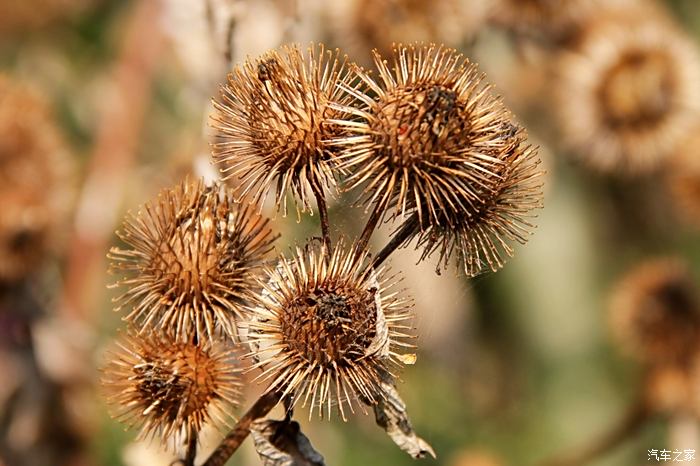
328	327
419	125
638	90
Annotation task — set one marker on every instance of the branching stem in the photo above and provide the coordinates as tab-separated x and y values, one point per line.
371	225
241	430
405	232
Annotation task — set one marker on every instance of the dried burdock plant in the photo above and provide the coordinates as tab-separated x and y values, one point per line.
655	317
35	181
327	333
190	263
655	312
436	146
170	389
271	125
627	91
430	147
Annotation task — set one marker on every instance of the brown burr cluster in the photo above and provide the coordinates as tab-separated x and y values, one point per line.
430	147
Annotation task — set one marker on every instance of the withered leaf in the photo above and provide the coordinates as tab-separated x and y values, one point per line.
282	443
390	413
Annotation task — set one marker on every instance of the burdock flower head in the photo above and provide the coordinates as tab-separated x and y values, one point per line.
437	146
35	181
655	312
328	333
170	388
272	124
628	92
191	262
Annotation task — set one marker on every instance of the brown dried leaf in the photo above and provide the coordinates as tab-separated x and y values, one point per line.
390	413
282	443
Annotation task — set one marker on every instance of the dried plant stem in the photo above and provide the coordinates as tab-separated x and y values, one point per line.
120	125
241	430
405	232
635	418
191	449
323	214
371	225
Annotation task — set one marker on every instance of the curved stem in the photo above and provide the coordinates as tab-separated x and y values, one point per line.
323	214
241	430
635	418
405	232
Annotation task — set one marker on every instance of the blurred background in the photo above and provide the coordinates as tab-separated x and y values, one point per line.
103	103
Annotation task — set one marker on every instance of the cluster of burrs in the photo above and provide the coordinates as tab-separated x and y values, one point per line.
431	151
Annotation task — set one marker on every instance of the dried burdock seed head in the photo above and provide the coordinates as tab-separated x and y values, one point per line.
168	388
482	238
655	312
433	135
438	144
191	262
272	126
36	189
627	92
327	333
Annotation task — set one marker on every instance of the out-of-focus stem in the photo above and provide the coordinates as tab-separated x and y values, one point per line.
635	418
241	430
120	122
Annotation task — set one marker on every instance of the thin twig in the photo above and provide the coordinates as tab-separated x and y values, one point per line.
371	225
635	418
405	232
241	430
323	214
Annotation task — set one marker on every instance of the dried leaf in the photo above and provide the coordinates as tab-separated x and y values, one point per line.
380	344
282	443
390	413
